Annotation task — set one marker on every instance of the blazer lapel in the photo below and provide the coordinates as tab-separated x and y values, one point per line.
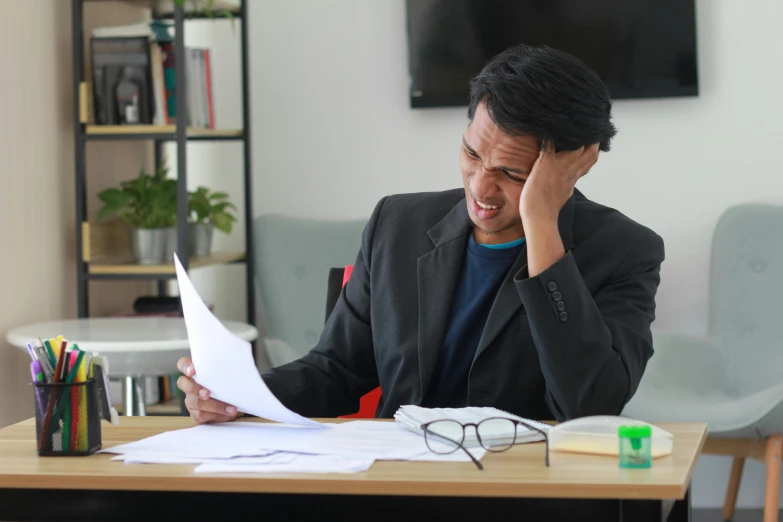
505	305
438	273
507	300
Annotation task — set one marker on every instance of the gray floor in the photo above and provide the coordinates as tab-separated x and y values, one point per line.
742	515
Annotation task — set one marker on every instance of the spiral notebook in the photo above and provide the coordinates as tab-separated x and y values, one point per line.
413	417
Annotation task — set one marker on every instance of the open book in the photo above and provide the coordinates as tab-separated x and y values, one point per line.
492	434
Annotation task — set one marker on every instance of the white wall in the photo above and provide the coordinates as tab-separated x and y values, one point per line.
330	109
37	183
36	193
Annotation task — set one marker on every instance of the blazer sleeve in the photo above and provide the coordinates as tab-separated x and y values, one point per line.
330	379
593	348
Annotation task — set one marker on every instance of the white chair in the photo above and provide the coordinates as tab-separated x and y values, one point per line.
732	379
293	257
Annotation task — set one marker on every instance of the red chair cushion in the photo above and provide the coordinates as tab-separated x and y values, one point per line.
347	273
367	405
369	401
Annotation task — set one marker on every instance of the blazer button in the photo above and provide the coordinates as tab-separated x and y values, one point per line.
561	305
552	286
564	316
557	296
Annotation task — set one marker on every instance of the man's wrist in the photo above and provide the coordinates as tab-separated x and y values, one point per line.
539	217
539	222
544	244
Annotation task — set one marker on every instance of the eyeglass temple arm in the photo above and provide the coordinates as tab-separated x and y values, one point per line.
463	448
476	462
542	432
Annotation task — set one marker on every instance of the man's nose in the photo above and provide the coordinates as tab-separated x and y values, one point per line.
484	184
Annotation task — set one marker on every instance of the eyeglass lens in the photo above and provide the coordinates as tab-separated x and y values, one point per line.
496	434
444	436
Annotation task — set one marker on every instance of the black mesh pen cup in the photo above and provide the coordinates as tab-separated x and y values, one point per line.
67	420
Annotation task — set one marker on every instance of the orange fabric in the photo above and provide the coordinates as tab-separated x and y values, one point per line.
369	401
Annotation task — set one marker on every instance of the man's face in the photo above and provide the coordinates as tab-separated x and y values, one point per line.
494	169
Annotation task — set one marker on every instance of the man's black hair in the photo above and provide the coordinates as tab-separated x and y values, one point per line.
547	93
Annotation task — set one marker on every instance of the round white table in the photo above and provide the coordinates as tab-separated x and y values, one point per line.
135	346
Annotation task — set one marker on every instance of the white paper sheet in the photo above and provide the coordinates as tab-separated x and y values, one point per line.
224	362
299	464
207	441
159	458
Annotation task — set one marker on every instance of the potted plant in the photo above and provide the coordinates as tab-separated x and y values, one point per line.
208	211
205	8
148	204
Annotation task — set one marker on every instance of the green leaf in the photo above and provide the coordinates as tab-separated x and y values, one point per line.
222	207
113	197
222	222
206	207
105	212
114	201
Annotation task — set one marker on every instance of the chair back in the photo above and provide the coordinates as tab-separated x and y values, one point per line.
291	257
334	287
368	403
746	294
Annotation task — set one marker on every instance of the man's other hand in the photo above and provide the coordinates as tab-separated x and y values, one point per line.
201	407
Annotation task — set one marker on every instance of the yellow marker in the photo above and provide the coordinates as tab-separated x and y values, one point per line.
81	371
81	428
56	344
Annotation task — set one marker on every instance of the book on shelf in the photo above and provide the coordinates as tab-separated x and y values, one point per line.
167	387
156	389
135	82
155	30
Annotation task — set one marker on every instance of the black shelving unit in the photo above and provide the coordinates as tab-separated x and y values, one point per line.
179	133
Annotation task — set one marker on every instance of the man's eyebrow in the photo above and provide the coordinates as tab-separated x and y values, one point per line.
499	167
512	170
468	147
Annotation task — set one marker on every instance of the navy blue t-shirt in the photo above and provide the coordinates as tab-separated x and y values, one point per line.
483	271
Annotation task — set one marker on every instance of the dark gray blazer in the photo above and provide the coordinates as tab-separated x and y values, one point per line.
571	342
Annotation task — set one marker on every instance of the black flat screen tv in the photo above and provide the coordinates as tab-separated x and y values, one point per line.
640	48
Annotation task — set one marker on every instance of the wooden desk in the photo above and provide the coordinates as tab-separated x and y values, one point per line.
515	481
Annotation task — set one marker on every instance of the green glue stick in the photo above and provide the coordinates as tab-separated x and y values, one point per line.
635	446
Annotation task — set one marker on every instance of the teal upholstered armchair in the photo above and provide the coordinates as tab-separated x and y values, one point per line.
733	379
292	261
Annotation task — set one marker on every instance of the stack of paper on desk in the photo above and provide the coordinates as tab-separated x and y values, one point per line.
413	417
265	447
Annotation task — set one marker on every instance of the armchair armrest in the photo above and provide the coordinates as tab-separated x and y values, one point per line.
682	362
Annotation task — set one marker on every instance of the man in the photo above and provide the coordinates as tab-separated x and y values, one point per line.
515	292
